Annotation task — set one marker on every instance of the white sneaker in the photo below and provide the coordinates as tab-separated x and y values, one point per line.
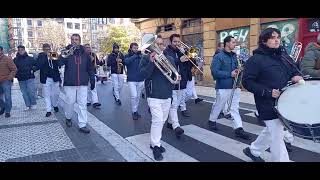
33	107
27	109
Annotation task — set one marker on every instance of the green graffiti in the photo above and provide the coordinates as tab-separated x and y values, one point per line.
288	29
4	38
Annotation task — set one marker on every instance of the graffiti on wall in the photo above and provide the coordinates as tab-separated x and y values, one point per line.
242	37
4	38
288	29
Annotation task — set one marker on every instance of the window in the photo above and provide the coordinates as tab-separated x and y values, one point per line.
191	23
169	27
77	25
39	23
40	35
30	34
69	25
29	22
15	32
84	26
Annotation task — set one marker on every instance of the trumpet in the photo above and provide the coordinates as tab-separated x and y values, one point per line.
192	53
161	62
53	55
65	53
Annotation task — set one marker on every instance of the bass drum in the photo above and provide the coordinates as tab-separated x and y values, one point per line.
298	108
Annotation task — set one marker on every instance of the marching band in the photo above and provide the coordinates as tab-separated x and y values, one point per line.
166	74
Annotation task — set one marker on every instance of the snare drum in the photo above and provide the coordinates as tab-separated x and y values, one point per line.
298	108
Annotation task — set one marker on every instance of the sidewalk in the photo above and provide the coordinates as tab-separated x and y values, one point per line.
29	136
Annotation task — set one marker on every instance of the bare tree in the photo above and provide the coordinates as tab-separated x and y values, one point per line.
52	33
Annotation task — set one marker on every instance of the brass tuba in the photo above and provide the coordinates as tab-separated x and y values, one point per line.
161	62
192	53
295	51
53	55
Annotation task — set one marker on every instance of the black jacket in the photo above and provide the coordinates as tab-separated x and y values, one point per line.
267	69
26	66
156	84
184	68
78	68
132	61
112	61
45	70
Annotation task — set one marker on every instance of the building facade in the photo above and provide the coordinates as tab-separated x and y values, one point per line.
205	33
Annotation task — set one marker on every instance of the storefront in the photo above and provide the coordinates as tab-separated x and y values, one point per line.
241	35
4	38
289	31
309	28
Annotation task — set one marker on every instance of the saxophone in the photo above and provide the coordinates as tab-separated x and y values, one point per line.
119	63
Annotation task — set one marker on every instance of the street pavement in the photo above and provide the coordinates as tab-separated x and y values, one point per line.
116	137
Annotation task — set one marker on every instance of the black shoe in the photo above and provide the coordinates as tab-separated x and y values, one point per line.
178	131
157	153
56	109
239	132
68	122
185	113
149	110
196	101
88	104
162	149
84	130
138	115
96	104
142	95
134	116
289	147
102	82
48	114
169	125
2	111
212	125
7	115
248	153
118	102
228	116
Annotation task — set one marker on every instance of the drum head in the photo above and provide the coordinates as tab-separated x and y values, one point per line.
300	103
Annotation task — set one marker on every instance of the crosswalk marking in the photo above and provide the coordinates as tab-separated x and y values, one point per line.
255	129
243	108
220	142
250	114
172	154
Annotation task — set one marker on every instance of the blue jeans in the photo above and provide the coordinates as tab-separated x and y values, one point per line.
28	89
6	87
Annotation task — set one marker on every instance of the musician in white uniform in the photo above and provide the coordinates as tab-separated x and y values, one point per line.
224	68
265	73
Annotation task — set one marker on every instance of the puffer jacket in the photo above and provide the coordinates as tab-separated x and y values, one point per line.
310	64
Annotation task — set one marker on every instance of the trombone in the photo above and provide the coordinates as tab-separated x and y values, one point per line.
192	53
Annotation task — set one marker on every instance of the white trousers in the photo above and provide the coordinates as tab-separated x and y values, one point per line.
159	111
135	91
117	83
92	94
51	93
177	97
191	90
182	99
222	97
76	94
271	136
